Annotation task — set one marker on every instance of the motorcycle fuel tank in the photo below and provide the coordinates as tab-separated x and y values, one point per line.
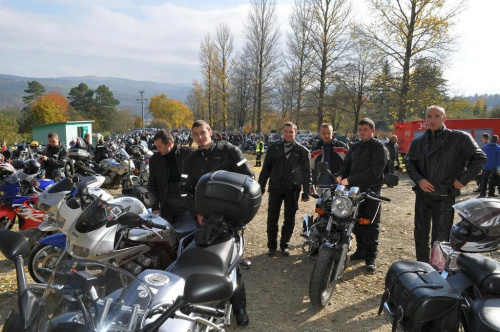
145	236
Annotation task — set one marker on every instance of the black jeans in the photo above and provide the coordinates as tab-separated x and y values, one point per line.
258	158
440	210
174	207
367	235
276	198
488	181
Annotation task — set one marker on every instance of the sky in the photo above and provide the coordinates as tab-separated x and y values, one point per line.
159	41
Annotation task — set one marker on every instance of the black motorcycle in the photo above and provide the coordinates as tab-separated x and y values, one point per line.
460	289
328	236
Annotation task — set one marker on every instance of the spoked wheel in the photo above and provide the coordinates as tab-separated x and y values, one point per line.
6	223
43	256
322	284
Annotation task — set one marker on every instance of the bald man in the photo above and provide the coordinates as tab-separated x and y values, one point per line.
436	163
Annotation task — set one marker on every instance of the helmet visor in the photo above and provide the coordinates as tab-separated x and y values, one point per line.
482	213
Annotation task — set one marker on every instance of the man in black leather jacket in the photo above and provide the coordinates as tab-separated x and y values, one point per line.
55	155
364	168
287	167
165	175
327	149
215	156
440	162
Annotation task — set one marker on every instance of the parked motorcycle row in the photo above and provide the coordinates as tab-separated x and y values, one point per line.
106	264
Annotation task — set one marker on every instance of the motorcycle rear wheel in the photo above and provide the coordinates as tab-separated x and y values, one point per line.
322	285
45	256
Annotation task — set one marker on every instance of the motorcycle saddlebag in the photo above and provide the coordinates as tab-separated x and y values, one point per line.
234	196
417	298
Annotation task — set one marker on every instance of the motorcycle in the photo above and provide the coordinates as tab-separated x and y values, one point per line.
192	295
51	200
460	288
328	236
18	198
140	155
93	236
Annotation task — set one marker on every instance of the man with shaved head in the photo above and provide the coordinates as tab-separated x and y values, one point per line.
440	162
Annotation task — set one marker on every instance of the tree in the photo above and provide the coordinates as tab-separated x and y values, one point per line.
356	77
241	98
262	45
329	42
10	128
494	112
384	96
125	119
52	107
104	109
35	91
208	56
406	29
81	98
298	46
172	112
195	100
224	46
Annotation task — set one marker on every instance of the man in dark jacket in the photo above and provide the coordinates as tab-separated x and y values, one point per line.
215	156
165	175
84	144
364	168
393	162
287	167
489	177
54	157
440	162
328	149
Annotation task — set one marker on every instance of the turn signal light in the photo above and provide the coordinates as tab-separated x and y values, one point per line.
364	221
319	211
136	171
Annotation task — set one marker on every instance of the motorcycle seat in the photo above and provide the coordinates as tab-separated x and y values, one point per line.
214	259
484	315
88	179
483	271
184	226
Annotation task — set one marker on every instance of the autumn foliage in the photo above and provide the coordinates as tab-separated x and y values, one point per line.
171	112
51	107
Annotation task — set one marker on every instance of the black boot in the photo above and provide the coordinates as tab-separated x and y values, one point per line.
241	317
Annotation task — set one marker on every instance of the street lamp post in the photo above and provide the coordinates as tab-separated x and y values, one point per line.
142	107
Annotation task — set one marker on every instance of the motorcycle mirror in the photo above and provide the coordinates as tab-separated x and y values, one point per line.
82	189
391	179
13	244
128	219
202	288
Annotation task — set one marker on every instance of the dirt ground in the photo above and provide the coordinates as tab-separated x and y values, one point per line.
277	288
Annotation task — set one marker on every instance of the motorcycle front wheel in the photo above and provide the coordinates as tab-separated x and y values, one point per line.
322	284
6	223
43	256
36	236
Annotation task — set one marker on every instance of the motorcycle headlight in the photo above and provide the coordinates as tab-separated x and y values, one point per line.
341	207
44	207
60	221
81	251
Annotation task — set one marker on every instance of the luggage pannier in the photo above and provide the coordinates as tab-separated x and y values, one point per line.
234	196
78	154
417	298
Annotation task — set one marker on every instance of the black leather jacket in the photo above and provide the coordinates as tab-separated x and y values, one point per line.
56	158
286	175
220	156
442	157
364	165
159	174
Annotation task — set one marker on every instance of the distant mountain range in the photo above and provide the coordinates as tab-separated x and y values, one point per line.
126	91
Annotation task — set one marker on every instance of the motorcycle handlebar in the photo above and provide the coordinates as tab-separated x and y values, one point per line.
204	310
377	198
151	224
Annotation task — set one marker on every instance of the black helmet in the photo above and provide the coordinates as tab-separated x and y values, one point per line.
479	229
31	166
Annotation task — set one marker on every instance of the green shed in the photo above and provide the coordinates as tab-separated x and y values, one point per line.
67	131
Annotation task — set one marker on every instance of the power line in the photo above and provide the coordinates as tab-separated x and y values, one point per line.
51	49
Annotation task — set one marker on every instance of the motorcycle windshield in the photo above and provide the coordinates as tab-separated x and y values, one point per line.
96	215
90	296
20	176
60	186
481	213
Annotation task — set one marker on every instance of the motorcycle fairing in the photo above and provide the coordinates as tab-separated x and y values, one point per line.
7	211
